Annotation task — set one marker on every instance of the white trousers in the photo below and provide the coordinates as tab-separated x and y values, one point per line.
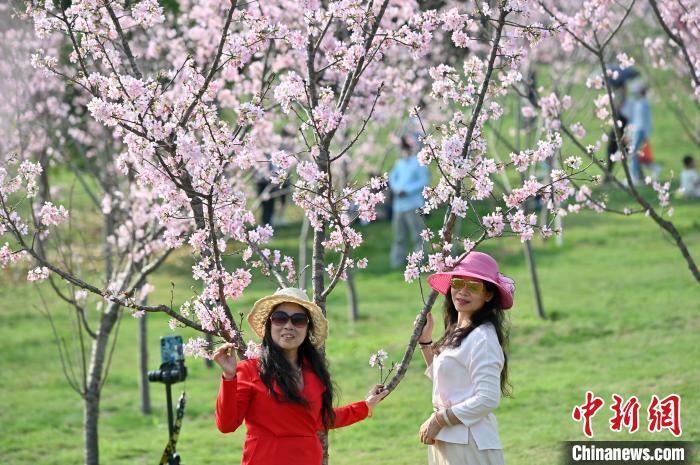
449	453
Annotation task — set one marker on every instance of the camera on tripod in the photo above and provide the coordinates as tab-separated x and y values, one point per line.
172	369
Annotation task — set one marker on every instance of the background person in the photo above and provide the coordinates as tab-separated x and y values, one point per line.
286	395
646	159
619	100
690	181
638	113
406	180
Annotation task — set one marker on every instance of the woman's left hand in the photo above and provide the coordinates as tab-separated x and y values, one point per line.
429	430
376	394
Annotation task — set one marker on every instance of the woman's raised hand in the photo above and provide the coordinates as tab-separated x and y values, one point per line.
427	334
225	356
376	394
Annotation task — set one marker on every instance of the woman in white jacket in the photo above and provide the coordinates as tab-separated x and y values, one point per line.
468	364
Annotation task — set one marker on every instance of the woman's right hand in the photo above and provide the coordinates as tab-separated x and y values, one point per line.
225	356
375	395
427	334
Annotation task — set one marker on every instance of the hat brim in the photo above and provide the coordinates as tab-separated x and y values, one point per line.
441	283
257	318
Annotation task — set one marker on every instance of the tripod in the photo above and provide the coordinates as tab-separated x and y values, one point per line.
172	370
170	456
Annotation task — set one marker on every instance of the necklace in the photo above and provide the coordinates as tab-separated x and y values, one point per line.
299	375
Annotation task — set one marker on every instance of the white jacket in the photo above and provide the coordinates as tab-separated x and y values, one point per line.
467	380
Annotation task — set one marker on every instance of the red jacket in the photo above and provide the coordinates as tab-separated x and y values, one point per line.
278	432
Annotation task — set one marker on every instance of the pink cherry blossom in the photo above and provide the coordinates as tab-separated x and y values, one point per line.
51	215
289	90
253	350
493	222
196	347
38	274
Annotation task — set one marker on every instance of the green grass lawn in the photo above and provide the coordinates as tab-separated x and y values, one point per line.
624	319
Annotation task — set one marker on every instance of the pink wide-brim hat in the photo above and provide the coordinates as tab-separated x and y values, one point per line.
481	266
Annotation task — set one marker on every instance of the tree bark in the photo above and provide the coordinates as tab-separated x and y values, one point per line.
559	238
94	384
44	188
210	343
530	258
353	311
143	362
90	420
402	368
303	281
318	270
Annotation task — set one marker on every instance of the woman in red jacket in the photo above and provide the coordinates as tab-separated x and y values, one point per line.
286	395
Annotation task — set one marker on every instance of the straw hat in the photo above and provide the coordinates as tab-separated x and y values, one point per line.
257	318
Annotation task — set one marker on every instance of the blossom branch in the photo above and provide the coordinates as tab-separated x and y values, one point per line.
677	40
278	277
418	329
229	17
485	84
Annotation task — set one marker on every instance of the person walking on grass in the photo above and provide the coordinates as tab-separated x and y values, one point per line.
620	101
638	114
468	365
286	395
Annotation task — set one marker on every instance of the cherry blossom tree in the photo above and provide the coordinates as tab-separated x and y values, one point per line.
47	126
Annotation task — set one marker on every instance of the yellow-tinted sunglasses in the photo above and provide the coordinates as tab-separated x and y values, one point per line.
475	287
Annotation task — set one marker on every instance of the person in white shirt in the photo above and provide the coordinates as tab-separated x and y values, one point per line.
468	364
690	181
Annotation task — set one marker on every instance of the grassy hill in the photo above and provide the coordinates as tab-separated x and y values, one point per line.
624	319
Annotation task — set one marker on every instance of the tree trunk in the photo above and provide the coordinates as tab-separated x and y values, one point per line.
44	189
353	311
210	343
143	363
90	420
94	384
303	281
456	234
558	226
558	220
317	281
530	258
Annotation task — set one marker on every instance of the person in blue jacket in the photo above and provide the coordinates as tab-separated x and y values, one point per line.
406	180
638	113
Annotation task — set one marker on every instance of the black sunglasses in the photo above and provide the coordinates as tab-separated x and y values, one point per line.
280	318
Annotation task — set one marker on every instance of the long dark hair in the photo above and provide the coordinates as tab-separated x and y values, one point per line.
274	368
490	312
